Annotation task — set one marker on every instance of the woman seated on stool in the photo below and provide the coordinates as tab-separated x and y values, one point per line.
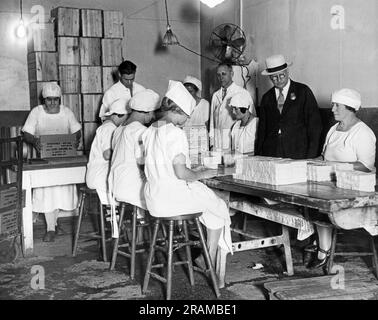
172	188
47	119
349	140
243	132
101	151
126	176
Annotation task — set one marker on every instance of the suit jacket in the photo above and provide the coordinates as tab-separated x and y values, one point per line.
300	124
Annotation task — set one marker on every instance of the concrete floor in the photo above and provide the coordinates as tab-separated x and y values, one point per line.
85	277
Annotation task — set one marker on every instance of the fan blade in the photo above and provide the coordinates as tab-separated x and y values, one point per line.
239	42
223	39
218	43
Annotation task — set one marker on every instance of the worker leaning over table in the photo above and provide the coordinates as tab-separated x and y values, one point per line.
101	150
51	118
349	140
126	177
172	187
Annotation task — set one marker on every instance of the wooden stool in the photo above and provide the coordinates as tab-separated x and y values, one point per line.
183	219
84	193
333	253
130	253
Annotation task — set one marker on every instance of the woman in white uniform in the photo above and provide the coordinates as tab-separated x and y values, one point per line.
243	132
101	151
349	140
172	188
201	112
126	173
47	119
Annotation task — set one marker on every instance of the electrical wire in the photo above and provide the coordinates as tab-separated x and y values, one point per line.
198	54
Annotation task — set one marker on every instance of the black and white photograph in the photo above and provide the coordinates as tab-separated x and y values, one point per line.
188	156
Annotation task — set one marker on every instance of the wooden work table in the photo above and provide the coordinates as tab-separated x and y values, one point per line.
52	172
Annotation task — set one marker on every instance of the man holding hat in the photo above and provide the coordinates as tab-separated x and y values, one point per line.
289	119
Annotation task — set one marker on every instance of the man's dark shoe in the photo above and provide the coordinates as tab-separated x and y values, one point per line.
49	236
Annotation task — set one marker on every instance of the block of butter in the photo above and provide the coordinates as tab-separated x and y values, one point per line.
356	180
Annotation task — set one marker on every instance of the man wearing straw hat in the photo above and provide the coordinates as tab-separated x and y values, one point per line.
289	120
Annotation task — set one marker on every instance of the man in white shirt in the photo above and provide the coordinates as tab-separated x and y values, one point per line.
221	119
125	88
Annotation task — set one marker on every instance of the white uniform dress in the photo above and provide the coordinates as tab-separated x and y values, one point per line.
38	123
166	195
221	119
127	179
243	138
200	114
356	144
98	167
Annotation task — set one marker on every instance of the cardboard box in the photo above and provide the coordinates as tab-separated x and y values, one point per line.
58	145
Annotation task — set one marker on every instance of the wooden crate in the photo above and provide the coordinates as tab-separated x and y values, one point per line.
91	23
42	38
111	52
113	24
91	106
69	79
35	92
42	66
89	133
109	77
68	51
91	80
58	145
73	101
90	51
66	21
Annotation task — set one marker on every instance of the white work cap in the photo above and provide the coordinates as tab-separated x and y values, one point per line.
181	96
193	80
347	97
241	99
117	107
51	89
146	101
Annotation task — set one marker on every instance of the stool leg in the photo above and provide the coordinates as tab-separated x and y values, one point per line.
287	250
170	256
78	225
333	250
151	256
133	244
102	232
116	240
207	257
188	254
375	257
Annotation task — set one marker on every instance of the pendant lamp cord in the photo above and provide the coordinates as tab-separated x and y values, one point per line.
166	11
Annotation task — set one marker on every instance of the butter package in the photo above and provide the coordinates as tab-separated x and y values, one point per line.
58	145
356	180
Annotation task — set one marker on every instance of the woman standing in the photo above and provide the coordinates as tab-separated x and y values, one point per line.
172	188
51	118
349	140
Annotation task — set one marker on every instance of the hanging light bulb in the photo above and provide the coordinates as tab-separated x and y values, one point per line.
211	3
169	38
21	28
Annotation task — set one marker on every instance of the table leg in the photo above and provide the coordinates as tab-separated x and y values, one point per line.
27	216
287	248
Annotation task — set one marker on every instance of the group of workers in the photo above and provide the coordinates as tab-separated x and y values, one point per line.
140	154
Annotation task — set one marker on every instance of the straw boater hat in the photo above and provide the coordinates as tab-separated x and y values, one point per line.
275	64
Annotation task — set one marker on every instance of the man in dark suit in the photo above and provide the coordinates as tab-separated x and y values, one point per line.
290	123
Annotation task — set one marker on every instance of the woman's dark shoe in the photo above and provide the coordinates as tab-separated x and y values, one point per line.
320	263
49	236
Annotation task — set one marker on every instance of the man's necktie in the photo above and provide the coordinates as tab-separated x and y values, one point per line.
224	92
280	101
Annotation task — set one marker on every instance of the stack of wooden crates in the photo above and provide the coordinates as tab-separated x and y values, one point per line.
87	48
